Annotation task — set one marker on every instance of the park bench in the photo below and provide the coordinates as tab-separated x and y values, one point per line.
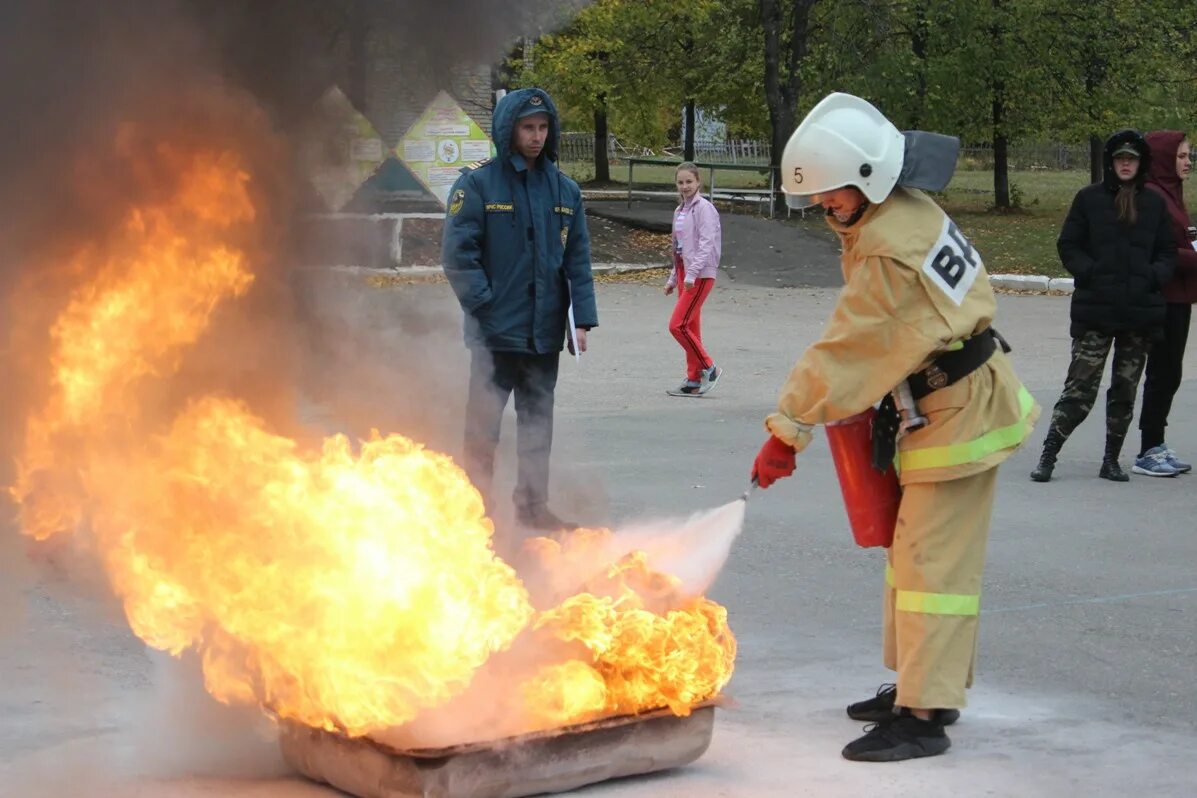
712	189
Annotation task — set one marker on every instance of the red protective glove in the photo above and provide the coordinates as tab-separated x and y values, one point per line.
774	461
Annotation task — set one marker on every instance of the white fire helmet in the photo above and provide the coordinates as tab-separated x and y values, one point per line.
843	141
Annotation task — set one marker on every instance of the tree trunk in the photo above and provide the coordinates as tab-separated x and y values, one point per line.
602	167
783	80
1001	171
688	145
919	46
1094	74
1001	165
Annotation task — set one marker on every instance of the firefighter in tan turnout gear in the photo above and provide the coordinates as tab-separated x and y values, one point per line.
915	312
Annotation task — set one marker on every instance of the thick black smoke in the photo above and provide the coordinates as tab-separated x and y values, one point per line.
77	77
90	95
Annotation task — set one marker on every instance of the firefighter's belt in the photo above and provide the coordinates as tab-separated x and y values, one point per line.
956	364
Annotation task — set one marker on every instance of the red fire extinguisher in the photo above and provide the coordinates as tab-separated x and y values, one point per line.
871	497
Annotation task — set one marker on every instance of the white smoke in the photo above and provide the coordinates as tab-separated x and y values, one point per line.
693	549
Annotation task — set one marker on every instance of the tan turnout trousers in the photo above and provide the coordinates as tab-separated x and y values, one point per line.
933	589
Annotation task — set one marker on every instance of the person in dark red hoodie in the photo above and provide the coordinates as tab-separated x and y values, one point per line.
1170	165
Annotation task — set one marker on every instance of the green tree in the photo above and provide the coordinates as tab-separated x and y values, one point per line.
634	65
1114	65
786	30
939	65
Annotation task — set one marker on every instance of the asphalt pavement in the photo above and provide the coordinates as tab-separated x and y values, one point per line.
1089	622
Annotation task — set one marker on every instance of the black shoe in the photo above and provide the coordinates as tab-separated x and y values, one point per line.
1047	461
880	708
1112	471
901	737
1043	471
539	517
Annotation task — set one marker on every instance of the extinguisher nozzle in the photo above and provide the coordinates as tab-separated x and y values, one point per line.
752	486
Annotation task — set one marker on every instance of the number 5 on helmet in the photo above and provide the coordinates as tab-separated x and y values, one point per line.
843	141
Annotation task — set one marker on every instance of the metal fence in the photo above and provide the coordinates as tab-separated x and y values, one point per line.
579	146
1028	157
743	151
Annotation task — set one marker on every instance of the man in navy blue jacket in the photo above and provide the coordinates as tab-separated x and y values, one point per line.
516	252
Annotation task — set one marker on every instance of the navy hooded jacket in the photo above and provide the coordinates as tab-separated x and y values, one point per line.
515	245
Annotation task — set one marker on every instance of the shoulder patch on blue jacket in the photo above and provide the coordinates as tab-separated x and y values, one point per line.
476	165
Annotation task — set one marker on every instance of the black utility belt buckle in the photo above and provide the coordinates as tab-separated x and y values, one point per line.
956	365
936	377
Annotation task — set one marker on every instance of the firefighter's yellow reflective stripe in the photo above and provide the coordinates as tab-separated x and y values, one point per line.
976	449
933	603
937	603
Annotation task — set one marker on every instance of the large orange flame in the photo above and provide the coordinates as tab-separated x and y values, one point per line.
348	590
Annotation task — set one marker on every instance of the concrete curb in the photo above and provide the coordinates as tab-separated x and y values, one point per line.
424	271
1032	283
621	268
1021	283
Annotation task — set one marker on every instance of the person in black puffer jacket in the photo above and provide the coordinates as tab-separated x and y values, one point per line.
1117	243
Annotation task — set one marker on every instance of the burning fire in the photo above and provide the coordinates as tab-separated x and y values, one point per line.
350	590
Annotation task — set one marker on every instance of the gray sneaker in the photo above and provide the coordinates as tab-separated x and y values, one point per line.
1154	463
710	377
1180	465
688	388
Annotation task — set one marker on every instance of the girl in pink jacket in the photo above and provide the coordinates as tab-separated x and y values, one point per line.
696	247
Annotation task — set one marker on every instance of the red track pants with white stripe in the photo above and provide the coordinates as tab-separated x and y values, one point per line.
686	322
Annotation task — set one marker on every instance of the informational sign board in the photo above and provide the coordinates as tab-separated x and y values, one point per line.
440	143
339	149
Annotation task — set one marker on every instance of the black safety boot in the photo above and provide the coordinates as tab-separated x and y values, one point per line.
901	737
880	707
1047	461
1109	465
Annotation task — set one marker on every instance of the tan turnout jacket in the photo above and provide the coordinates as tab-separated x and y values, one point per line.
915	287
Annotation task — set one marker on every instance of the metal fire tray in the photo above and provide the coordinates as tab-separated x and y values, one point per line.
530	764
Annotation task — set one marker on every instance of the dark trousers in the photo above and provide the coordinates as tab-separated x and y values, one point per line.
1089	353
1164	366
493	378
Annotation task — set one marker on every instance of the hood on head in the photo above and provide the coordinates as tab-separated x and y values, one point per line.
1136	140
508	109
1163	145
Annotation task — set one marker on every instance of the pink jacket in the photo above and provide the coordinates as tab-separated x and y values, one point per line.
698	237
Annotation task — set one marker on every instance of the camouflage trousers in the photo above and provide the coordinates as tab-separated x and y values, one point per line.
1089	354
